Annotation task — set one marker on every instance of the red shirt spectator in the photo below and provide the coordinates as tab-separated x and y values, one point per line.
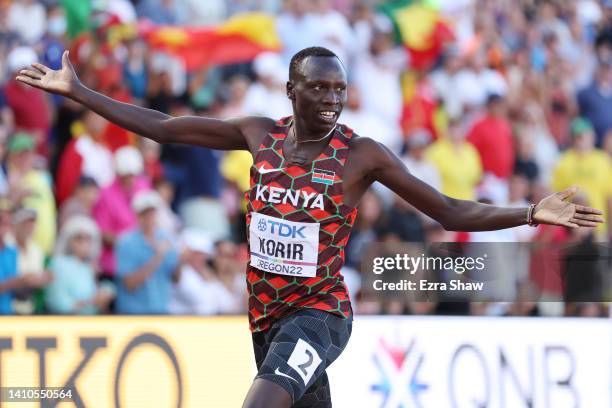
492	137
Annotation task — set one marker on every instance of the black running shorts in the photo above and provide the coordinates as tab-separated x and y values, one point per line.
297	349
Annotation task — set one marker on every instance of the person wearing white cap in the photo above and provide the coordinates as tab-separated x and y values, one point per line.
146	262
198	290
74	289
113	212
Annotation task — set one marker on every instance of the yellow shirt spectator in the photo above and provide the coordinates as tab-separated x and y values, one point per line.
591	171
459	166
33	189
587	167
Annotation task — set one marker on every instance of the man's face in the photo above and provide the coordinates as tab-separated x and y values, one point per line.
584	142
318	92
23	160
148	218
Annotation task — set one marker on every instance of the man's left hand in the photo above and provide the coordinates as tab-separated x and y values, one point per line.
556	209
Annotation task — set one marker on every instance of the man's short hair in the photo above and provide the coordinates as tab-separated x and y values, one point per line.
296	60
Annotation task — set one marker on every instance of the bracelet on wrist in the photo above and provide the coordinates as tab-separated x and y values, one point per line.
530	212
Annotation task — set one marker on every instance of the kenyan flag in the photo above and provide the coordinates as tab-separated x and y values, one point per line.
323	176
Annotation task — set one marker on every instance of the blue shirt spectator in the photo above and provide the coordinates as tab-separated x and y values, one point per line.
74	289
595	102
146	262
8	271
73	286
133	252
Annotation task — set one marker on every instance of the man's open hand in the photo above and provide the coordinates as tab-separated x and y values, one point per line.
62	82
556	209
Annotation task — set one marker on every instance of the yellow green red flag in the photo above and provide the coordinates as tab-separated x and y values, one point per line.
240	39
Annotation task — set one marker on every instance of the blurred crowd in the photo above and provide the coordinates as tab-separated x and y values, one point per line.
94	219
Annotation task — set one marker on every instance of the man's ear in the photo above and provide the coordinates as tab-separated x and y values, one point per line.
290	91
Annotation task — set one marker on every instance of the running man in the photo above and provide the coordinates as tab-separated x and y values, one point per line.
308	176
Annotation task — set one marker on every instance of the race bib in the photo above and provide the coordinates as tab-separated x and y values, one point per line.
284	247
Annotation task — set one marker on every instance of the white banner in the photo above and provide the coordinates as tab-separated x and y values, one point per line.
406	362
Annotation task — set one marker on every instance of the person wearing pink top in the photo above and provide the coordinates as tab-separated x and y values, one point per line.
113	211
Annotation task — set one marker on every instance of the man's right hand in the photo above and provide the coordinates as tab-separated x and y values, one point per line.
231	134
62	82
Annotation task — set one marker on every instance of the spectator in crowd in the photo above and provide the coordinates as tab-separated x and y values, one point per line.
476	82
82	200
30	107
416	161
379	58
533	128
28	19
203	87
228	264
146	262
524	162
267	96
74	289
167	220
30	259
366	123
446	152
87	155
113	212
135	70
237	88
198	291
333	29
492	137
31	188
583	269
590	168
10	280
53	41
446	84
297	27
595	101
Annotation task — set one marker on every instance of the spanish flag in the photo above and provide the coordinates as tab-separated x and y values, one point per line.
419	26
240	39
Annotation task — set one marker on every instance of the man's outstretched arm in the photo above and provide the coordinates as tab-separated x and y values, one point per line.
464	215
162	128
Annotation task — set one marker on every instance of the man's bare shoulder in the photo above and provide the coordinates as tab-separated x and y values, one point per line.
253	128
253	123
365	146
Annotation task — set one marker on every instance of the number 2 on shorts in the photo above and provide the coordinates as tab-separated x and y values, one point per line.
304	360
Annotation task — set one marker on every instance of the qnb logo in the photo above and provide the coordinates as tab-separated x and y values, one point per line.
284	230
261	225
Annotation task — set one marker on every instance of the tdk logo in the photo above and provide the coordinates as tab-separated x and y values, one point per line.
284	230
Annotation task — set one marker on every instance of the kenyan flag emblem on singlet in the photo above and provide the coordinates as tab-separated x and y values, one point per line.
323	176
